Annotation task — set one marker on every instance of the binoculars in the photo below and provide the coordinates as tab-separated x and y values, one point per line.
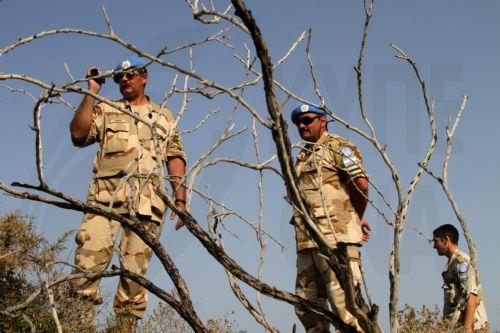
98	72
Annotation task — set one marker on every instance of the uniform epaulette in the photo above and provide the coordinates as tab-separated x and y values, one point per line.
342	140
462	257
336	136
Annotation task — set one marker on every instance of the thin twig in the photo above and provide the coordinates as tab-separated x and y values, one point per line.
108	22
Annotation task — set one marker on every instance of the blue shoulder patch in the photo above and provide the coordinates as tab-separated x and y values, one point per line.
462	268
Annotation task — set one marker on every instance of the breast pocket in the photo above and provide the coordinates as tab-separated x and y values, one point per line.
308	177
117	137
450	294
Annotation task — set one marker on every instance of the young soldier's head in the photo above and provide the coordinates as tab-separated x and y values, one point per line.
445	240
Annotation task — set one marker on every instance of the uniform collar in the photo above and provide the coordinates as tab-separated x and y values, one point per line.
310	146
127	103
322	139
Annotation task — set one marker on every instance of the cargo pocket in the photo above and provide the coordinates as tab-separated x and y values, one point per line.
327	222
117	137
80	237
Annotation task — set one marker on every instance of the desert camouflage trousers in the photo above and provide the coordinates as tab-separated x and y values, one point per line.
317	283
94	252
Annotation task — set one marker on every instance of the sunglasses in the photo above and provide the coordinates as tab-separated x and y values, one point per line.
305	120
129	75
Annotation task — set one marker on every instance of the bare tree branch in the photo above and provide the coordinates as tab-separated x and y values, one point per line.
108	22
311	69
394	259
50	296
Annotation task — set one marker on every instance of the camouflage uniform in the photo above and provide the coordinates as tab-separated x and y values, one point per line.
126	148
324	169
461	280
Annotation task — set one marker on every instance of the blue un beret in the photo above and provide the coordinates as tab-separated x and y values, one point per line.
131	62
305	108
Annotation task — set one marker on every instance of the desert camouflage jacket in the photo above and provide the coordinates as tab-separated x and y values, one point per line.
323	170
129	163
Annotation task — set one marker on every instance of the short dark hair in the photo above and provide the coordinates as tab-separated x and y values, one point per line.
447	230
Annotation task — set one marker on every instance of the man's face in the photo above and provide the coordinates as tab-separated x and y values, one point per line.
441	245
311	126
132	83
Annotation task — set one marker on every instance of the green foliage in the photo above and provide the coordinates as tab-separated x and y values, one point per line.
26	259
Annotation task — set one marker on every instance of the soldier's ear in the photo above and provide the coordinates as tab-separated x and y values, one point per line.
323	121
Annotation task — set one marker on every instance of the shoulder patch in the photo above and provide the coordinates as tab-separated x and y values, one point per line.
348	156
462	267
346	151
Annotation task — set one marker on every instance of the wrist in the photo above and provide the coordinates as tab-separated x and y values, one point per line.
95	90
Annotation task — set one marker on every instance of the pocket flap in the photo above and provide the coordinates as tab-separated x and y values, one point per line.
119	126
320	212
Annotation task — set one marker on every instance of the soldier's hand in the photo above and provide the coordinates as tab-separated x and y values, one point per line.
180	223
93	85
365	228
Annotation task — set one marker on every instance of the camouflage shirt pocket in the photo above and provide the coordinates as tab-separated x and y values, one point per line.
450	294
117	137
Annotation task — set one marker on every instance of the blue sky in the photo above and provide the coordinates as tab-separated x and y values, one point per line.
455	43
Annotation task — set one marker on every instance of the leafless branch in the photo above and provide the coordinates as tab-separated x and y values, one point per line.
394	260
199	14
202	121
232	282
311	68
62	279
50	296
231	211
443	181
12	90
70	76
131	47
262	241
290	50
219	37
228	263
108	22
